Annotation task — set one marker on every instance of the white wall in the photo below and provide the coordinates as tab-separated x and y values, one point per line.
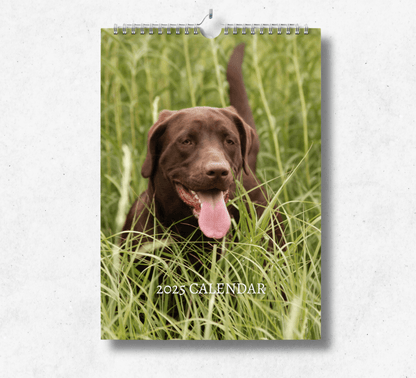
49	192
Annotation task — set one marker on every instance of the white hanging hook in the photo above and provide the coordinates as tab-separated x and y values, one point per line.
211	28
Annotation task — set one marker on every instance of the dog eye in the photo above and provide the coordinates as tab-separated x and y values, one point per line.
187	142
230	141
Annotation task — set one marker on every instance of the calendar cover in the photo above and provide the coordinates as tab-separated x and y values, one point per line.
211	185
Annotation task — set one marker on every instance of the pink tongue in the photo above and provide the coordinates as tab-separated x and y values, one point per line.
214	219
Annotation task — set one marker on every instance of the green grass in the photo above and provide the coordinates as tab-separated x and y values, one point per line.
142	75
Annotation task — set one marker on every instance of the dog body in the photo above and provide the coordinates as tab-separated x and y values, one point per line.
193	158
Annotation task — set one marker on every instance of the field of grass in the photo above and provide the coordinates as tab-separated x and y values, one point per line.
144	74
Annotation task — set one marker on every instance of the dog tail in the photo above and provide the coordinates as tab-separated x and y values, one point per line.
238	94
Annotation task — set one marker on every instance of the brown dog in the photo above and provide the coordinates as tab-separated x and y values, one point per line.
192	158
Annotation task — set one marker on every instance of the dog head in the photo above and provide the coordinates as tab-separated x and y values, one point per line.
199	151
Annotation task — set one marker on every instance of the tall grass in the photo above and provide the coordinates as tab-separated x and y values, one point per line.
142	75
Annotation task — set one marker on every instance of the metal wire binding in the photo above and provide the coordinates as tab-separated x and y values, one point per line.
270	28
178	27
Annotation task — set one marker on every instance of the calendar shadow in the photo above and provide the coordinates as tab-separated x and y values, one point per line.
318	346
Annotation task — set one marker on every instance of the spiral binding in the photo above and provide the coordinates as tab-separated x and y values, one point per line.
271	28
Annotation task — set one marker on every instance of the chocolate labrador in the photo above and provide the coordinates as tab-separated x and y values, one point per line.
193	158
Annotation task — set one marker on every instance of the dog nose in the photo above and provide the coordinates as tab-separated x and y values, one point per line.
217	170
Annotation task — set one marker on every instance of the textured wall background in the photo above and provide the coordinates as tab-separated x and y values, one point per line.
49	194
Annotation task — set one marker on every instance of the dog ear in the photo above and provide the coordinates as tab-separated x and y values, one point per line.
247	135
155	132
